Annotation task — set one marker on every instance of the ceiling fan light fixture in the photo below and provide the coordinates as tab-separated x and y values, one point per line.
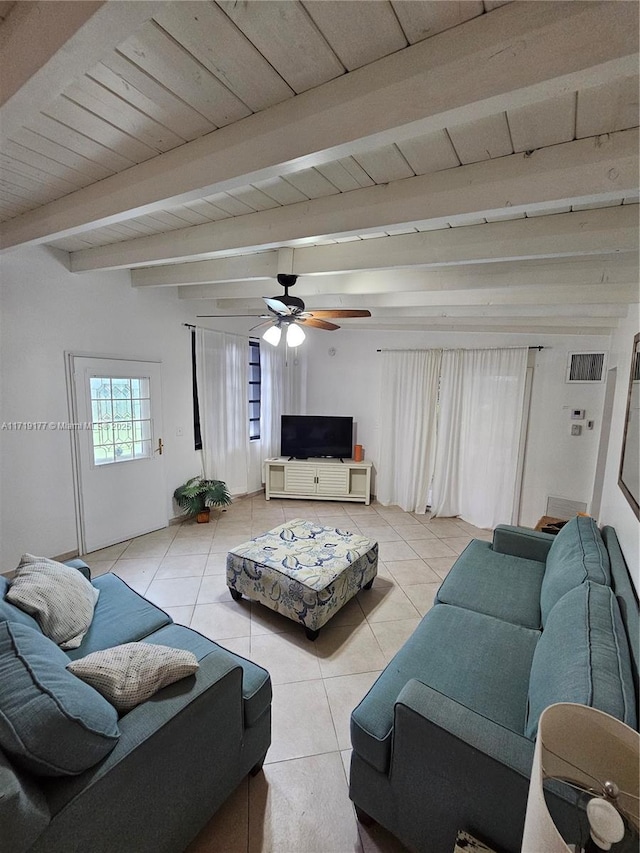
272	335
295	335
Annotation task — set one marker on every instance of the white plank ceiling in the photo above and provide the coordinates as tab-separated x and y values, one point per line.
210	145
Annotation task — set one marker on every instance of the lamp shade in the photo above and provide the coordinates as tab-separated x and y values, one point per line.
295	335
272	335
588	749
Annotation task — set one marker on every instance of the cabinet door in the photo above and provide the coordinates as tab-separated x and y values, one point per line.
332	480
300	479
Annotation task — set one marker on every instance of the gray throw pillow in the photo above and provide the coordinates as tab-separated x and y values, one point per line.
131	673
59	597
51	724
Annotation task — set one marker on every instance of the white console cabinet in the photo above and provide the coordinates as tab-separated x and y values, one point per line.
318	479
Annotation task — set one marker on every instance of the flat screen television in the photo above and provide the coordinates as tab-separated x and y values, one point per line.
303	436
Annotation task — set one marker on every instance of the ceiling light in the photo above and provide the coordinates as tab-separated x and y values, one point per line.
272	335
295	335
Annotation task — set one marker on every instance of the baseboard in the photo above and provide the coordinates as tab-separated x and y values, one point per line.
68	555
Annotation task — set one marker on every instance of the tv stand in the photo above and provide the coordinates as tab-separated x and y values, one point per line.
318	479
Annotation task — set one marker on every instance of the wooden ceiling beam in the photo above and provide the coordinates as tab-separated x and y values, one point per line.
574	296
45	46
527	53
607	271
487	325
596	314
515	181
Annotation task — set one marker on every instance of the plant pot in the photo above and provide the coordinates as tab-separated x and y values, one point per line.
203	517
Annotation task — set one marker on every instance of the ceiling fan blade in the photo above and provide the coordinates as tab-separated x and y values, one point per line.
201	316
277	306
318	324
260	325
339	312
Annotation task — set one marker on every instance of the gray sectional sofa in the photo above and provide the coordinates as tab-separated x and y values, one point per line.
176	756
444	739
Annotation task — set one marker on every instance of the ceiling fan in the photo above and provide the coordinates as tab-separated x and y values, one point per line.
289	312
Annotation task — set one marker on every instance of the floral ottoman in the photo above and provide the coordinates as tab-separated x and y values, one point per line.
303	570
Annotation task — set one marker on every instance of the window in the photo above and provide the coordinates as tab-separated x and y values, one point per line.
254	390
120	410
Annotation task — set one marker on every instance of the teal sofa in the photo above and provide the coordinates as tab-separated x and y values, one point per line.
444	739
176	757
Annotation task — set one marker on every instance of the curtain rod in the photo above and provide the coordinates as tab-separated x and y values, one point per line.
206	328
191	326
422	349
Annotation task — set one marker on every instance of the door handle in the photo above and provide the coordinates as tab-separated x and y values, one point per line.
159	447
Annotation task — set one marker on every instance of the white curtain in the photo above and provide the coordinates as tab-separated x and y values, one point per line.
281	390
408	411
481	410
222	373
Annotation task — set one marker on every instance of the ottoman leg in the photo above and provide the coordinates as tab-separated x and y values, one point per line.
368	585
311	635
237	596
257	767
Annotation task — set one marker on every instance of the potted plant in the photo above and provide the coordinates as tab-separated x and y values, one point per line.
198	495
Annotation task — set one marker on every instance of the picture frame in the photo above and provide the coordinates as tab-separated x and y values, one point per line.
629	471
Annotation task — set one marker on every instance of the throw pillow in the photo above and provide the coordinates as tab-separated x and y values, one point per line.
129	674
582	656
59	597
51	724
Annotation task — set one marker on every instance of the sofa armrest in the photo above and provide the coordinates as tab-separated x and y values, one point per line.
522	542
80	565
184	742
478	732
452	768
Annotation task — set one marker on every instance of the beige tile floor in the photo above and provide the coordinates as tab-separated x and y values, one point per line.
299	803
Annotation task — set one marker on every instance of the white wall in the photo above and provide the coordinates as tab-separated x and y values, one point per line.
615	509
46	311
557	463
348	383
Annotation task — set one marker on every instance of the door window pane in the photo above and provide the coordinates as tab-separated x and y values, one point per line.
121	412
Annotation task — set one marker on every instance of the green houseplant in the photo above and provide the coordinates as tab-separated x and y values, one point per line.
198	495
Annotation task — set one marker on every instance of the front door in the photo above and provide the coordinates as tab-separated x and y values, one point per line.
121	482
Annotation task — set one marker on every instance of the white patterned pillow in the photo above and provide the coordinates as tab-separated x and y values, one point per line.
129	674
59	597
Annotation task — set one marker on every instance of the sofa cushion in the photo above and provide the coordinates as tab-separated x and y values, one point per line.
496	584
10	613
51	723
475	659
121	616
256	683
578	554
583	657
131	673
59	597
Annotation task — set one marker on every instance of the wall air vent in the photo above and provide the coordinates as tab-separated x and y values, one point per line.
586	367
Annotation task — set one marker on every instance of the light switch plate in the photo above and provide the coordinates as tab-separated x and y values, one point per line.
576	429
